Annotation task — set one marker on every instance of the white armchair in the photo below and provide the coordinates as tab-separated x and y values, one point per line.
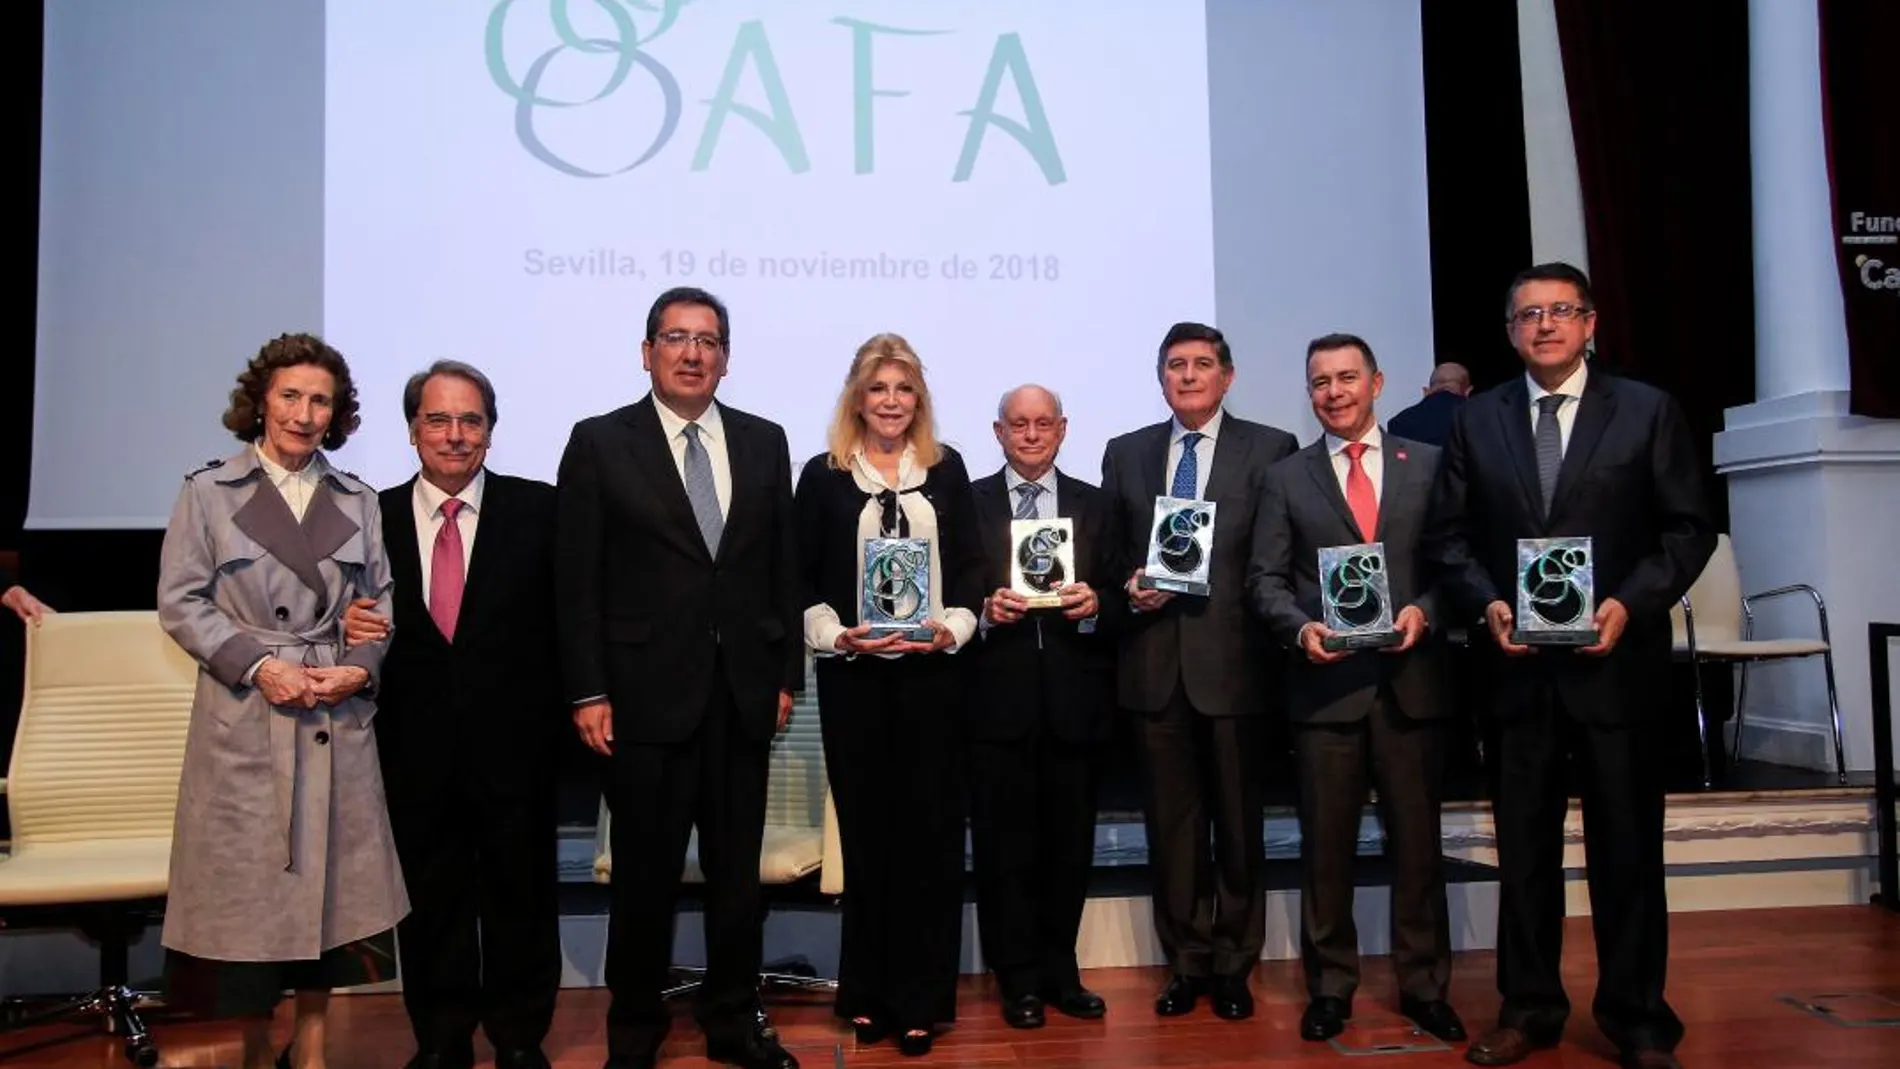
91	791
1715	622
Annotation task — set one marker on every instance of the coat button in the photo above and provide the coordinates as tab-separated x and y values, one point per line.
323	738
283	613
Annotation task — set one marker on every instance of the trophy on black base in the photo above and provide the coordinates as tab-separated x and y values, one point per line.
1180	546
1042	561
1355	598
897	588
1556	593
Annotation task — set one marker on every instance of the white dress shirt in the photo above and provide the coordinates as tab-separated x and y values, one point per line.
822	624
296	487
1203	454
427	502
712	435
1045	501
1373	460
1572	389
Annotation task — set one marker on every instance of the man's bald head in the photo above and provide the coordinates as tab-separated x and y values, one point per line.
1449	378
1030	428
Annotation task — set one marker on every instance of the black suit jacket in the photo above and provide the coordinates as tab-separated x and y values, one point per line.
829	504
1630	480
486	709
1429	420
647	616
1213	644
1068	684
1304	511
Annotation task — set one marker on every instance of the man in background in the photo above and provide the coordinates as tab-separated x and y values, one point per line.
1429	420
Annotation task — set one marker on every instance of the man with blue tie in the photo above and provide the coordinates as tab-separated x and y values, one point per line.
1195	671
1044	705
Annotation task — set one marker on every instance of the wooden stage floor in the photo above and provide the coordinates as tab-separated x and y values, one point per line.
1729	978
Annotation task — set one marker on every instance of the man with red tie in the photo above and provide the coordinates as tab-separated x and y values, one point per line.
469	719
1378	708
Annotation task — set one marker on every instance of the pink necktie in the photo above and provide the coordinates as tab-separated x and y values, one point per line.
1360	497
445	571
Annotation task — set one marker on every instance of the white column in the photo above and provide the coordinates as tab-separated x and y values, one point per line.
1814	493
1800	330
1550	148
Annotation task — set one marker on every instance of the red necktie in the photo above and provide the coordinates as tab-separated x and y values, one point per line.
445	571
1360	497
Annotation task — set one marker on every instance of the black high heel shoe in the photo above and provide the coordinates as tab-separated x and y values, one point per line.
870	1030
916	1044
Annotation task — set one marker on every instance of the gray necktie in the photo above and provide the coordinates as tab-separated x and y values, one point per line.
1550	445
700	491
1026	500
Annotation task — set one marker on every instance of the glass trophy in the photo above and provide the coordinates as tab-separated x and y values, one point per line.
1556	593
1042	560
897	588
1355	598
1180	546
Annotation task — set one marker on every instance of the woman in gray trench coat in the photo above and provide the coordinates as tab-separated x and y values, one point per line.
283	869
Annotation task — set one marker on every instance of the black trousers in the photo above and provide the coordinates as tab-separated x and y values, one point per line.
891	754
715	781
1618	770
482	942
1203	812
1405	759
1032	834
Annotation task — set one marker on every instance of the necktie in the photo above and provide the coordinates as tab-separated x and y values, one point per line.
700	492
1026	500
445	571
1360	497
1187	471
1550	445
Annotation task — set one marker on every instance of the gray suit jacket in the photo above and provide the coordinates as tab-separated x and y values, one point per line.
1303	511
1212	645
282	847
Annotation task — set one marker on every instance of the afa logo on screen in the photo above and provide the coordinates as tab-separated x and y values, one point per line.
620	44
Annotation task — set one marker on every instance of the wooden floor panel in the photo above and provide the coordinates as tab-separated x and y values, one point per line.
1728	976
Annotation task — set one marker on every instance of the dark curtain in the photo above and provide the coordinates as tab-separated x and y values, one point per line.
1478	194
1863	148
1659	110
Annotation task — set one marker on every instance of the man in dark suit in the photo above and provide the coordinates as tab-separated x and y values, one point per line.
1429	420
469	715
1382	708
1571	451
1194	670
679	628
1045	702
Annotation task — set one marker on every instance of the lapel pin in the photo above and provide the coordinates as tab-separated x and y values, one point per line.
1400	454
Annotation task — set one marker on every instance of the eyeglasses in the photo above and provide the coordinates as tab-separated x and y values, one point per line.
440	422
1561	312
678	339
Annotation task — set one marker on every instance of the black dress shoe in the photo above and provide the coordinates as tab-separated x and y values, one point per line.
519	1058
1435	1017
1180	995
1024	1012
1325	1017
444	1059
1232	999
916	1044
758	1049
1076	1001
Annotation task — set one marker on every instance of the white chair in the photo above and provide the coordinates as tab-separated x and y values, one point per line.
799	823
92	791
1715	622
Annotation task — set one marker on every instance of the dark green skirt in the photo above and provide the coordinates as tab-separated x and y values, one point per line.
204	987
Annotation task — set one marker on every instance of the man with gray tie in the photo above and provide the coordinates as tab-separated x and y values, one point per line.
1044	704
678	614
